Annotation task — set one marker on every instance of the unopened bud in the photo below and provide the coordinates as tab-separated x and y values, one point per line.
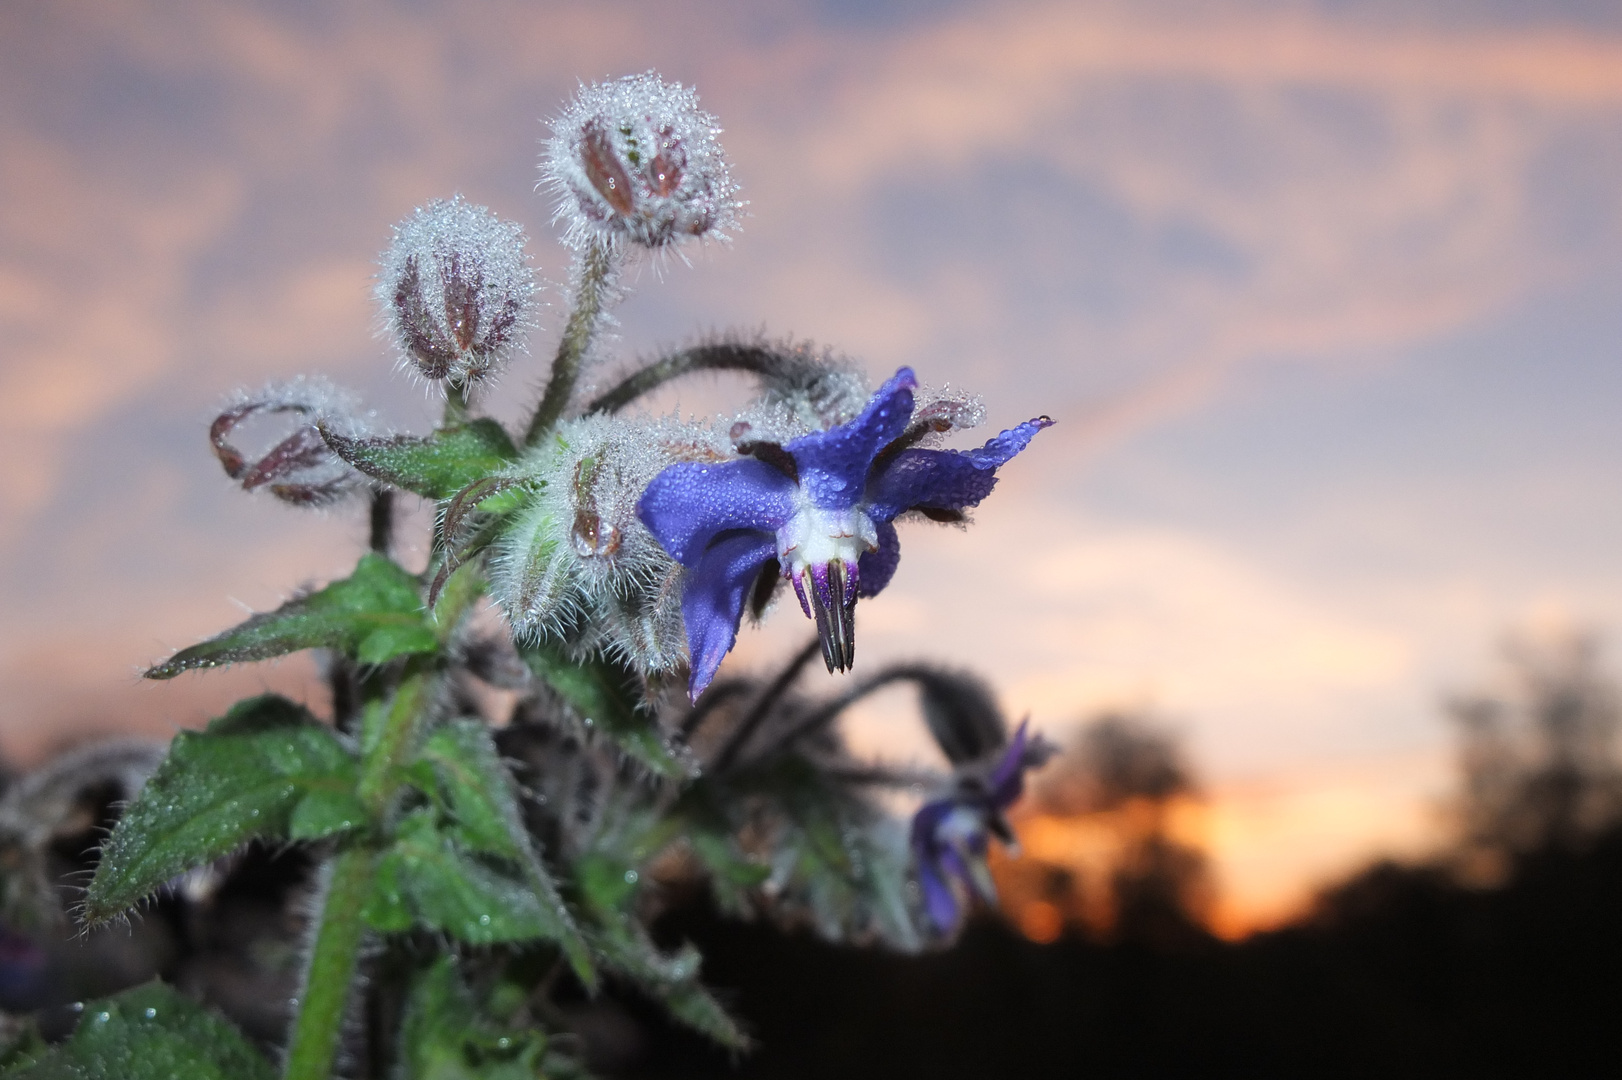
456	292
636	160
577	564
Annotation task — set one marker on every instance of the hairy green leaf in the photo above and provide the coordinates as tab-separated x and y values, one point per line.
477	788
374	615
604	694
426	879
443	1036
247	776
435	467
836	857
149	1033
608	888
478	791
325	812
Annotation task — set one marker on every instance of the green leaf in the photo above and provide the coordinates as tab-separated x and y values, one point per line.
836	857
444	1035
374	615
435	467
608	888
149	1033
734	874
477	788
323	813
478	791
245	777
604	695
425	879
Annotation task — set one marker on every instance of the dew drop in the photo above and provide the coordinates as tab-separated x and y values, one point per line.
103	1017
151	1013
484	920
630	877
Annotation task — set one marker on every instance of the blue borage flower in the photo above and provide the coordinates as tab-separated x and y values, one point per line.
821	507
950	835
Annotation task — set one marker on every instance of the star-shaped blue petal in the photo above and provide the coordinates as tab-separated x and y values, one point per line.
822	507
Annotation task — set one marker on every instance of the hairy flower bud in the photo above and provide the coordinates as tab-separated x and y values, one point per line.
455	290
636	160
578	564
301	468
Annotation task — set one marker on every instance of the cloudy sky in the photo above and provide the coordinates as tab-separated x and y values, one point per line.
1322	295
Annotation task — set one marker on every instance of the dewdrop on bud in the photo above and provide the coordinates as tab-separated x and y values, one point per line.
456	291
577	564
637	161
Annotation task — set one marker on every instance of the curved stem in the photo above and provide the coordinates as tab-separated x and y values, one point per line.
456	404
331	968
829	711
763	705
595	271
720	356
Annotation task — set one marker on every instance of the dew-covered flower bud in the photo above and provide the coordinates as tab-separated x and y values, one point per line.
456	292
577	564
637	161
300	468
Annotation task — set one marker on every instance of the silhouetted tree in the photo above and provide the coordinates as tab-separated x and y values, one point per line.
1538	756
1122	773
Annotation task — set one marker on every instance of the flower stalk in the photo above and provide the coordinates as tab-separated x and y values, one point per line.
330	971
595	271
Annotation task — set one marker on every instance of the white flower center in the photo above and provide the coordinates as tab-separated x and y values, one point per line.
817	537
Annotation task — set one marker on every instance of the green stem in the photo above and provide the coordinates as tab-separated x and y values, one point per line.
594	287
456	402
331	969
379	777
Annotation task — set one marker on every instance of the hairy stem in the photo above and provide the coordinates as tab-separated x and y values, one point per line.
721	356
381	521
330	970
331	967
456	402
763	705
595	271
379	772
